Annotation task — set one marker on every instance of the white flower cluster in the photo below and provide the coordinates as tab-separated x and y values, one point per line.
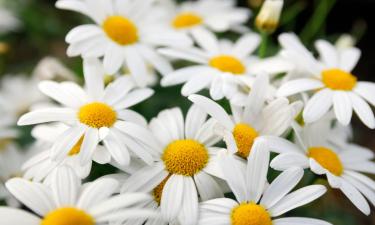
177	169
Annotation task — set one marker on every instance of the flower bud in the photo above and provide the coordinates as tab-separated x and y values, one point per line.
269	16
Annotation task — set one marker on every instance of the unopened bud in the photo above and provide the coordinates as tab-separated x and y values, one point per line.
269	16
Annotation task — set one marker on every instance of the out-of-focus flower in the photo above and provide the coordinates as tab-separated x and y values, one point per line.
125	34
222	65
253	122
215	15
269	15
66	201
332	82
50	68
255	203
345	41
185	167
319	149
18	93
8	22
95	114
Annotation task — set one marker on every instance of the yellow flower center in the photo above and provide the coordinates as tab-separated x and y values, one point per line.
228	64
337	79
327	159
121	30
250	214
97	115
68	216
185	157
158	190
244	136
76	148
186	20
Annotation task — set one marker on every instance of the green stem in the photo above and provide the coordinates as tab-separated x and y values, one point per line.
263	45
317	20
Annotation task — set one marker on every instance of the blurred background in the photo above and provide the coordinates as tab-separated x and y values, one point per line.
41	28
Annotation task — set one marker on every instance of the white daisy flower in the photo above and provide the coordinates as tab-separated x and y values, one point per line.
96	114
222	65
215	15
319	149
254	121
255	203
334	85
18	94
125	33
67	201
184	167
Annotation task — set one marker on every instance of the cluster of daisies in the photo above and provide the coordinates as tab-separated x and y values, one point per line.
208	166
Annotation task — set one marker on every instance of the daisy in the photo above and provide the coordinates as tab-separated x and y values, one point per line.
66	201
125	33
222	65
319	148
255	203
214	15
96	114
184	167
252	121
334	85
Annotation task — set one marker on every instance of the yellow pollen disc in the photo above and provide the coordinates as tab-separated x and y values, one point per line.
158	190
97	115
121	30
68	216
244	136
186	20
228	64
327	159
337	79
76	148
185	157
250	214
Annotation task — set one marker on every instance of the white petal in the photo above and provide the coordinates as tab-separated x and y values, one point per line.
279	145
207	187
196	84
366	90
234	176
342	106
60	94
83	32
213	109
183	75
195	118
171	200
205	39
73	5
117	150
297	198
318	106
96	192
363	110
10	216
94	73
136	65
246	45
355	197
287	160
192	55
328	53
256	171
134	98
114	58
349	58
47	115
65	186
132	116
89	143
189	211
299	85
156	60
35	196
281	186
